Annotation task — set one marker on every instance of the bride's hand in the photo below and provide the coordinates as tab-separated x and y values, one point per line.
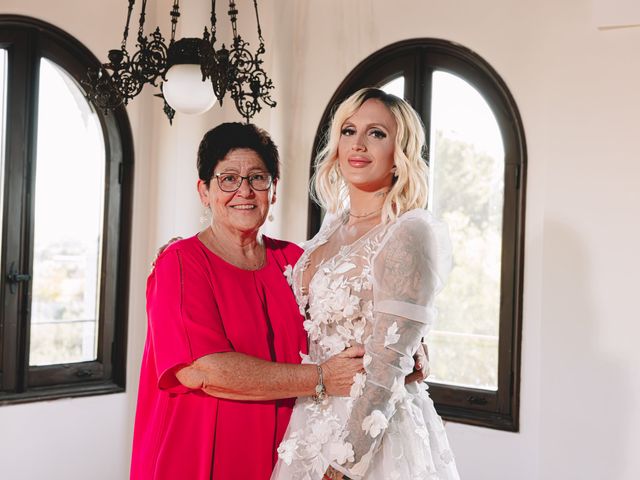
339	371
333	474
421	366
163	248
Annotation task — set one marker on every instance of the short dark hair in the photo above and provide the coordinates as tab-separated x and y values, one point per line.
219	141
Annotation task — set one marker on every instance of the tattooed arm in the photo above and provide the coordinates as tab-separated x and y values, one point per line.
406	274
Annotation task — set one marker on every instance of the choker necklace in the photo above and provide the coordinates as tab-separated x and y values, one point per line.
365	215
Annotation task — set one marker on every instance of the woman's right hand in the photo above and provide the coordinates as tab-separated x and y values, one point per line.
340	370
163	248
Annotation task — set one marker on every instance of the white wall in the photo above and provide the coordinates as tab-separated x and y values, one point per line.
87	437
576	87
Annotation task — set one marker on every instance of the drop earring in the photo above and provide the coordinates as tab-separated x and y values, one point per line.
273	200
206	215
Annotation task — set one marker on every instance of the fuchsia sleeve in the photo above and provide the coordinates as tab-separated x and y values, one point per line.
184	321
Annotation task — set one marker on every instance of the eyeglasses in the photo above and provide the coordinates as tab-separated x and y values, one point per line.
230	182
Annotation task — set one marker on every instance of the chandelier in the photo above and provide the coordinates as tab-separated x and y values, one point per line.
192	73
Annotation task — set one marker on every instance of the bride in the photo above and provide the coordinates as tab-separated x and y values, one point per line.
370	276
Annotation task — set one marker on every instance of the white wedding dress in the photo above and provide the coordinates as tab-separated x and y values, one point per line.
379	291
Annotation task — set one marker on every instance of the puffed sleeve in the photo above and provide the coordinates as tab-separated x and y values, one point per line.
408	270
183	316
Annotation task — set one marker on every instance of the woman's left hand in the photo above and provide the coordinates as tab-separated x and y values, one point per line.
421	366
333	474
163	248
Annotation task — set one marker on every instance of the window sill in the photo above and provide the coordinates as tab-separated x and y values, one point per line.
54	393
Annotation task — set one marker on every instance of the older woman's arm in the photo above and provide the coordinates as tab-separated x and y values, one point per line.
192	351
237	376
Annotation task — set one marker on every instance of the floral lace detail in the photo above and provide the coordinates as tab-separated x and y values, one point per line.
288	274
336	316
341	307
338	306
305	446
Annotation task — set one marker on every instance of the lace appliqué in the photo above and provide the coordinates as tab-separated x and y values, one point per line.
381	413
288	274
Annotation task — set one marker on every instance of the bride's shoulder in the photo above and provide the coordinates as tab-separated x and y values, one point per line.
418	229
419	216
417	222
330	221
419	234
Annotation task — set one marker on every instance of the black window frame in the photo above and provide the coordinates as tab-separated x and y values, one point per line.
26	41
416	59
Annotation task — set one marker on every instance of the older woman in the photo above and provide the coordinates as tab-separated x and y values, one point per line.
370	275
221	359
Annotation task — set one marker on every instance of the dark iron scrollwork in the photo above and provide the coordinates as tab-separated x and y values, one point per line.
251	86
235	70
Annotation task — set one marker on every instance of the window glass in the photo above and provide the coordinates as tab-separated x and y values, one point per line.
394	87
477	167
69	192
467	192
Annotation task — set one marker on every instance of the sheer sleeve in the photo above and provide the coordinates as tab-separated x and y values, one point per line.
408	270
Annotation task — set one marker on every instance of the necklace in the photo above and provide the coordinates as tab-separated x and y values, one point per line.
364	215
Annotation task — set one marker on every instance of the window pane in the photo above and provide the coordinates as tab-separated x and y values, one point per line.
68	222
394	87
467	191
3	114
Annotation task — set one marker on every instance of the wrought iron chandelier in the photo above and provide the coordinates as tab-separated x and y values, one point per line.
217	70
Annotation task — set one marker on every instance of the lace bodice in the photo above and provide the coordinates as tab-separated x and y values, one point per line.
379	291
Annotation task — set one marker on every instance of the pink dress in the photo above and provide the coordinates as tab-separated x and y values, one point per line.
198	304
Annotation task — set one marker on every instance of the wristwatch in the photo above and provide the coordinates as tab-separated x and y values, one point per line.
321	391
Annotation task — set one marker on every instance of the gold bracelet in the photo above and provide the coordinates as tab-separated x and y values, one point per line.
321	392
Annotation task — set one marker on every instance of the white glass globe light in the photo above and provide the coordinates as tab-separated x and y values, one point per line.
186	92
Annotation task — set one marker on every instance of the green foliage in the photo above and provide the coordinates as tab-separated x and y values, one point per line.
59	282
468	195
464	359
62	319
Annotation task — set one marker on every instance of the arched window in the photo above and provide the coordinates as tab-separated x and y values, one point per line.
477	164
66	183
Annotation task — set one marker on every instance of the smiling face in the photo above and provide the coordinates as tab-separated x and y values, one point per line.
246	209
366	147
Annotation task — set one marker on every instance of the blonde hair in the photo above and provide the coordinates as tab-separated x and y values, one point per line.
409	189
